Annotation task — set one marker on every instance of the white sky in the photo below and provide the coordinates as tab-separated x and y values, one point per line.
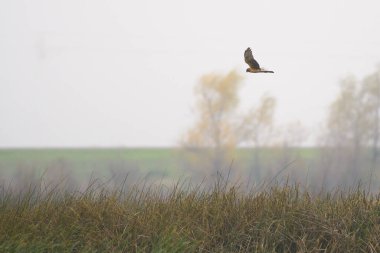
122	73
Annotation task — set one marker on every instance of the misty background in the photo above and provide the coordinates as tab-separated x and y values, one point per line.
121	73
125	74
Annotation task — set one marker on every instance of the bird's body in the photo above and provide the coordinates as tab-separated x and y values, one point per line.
254	66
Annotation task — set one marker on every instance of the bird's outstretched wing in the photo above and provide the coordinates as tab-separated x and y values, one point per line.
248	57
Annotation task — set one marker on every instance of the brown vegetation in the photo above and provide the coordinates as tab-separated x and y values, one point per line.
189	218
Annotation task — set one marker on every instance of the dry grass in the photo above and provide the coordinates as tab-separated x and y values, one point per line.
189	219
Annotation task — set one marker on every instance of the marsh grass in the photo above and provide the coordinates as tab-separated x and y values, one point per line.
188	218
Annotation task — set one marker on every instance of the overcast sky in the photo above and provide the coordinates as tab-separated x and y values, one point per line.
122	73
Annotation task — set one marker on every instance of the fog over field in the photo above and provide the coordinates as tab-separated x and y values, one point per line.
127	75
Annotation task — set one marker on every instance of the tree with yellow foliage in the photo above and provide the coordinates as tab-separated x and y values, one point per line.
219	128
212	138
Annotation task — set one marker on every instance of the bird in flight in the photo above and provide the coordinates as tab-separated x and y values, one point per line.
254	66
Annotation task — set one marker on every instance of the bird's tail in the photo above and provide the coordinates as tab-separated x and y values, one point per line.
266	71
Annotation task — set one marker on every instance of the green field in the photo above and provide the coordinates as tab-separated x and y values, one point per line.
81	161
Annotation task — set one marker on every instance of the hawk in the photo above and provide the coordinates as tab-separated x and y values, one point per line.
254	66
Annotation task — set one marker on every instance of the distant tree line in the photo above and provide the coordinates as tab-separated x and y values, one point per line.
349	141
